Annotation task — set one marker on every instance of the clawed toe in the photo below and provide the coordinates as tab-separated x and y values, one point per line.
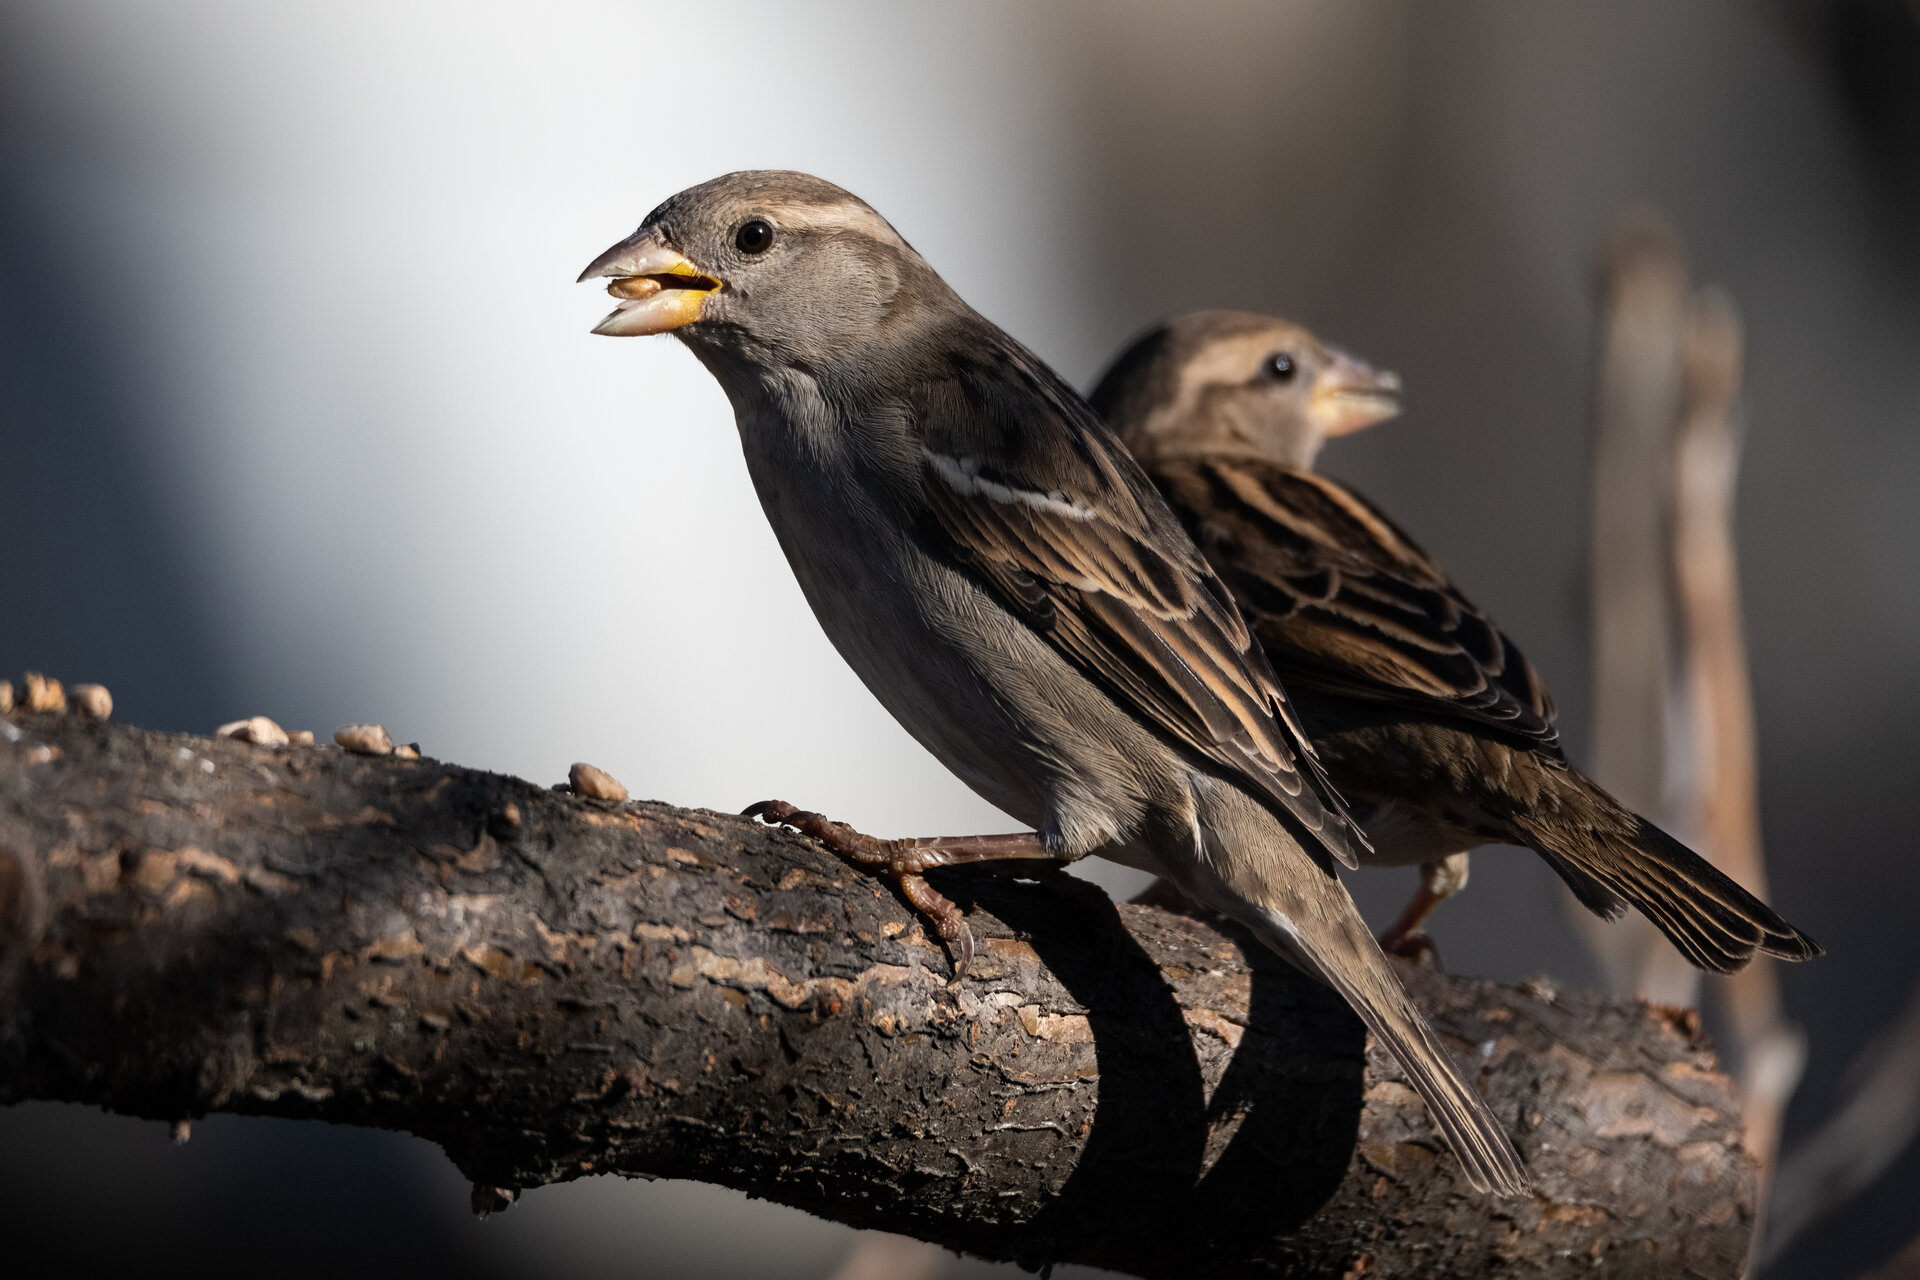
1167	896
891	859
948	920
771	812
1412	945
961	946
837	836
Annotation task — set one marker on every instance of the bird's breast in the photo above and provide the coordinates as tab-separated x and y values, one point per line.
914	631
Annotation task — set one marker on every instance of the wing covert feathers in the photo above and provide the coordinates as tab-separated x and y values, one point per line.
1044	506
1345	602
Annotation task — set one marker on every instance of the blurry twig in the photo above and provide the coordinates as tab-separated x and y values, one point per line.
1666	584
1666	581
1771	1051
1854	1146
1645	295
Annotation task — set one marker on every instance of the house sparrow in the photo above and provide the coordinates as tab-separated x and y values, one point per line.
1428	720
984	553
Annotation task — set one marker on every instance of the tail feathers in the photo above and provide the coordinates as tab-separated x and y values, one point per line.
1713	922
1479	1143
1593	895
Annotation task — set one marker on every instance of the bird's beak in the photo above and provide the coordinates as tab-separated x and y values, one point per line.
1351	395
658	288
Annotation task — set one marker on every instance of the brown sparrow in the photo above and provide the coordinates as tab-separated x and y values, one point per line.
1430	723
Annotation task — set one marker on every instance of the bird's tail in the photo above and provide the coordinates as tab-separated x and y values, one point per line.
1617	857
1364	978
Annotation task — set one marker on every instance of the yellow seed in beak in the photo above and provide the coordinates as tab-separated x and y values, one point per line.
633	287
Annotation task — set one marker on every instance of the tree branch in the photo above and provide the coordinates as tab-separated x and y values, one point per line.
549	987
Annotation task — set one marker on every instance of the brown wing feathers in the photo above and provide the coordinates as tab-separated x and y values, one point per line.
1138	611
1714	922
1348	603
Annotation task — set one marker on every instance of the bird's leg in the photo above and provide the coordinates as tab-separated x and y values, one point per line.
905	862
1438	882
1166	895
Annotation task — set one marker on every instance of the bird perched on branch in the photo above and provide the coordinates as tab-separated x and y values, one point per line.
1429	721
987	557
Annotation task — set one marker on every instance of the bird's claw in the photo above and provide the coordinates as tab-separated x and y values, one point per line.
1411	945
1167	896
772	812
892	859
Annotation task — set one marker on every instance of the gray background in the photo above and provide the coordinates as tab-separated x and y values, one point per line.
299	415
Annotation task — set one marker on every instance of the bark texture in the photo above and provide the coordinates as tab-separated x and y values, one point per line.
551	987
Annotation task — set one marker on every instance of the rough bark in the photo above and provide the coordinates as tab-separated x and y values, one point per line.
550	987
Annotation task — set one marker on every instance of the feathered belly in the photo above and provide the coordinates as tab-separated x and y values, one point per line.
1420	790
904	631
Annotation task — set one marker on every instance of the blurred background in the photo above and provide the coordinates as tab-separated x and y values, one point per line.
300	416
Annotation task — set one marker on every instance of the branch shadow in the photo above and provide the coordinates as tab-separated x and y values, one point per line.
1298	1117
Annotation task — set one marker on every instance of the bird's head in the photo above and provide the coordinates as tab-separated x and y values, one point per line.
1237	382
763	266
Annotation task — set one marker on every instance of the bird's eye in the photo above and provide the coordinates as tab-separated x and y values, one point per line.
754	236
1278	368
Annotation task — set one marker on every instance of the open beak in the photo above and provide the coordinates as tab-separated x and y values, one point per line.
1351	395
658	288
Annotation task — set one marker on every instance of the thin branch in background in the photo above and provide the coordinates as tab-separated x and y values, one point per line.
1855	1145
1769	1052
1645	296
1676	739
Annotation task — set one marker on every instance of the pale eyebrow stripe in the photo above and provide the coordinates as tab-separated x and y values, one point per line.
846	215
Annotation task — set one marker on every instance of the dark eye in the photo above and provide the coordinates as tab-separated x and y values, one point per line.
1278	368
754	235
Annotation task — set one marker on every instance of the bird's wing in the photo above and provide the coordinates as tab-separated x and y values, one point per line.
1346	604
1029	492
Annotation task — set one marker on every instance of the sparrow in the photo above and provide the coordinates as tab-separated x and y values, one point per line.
1429	721
988	558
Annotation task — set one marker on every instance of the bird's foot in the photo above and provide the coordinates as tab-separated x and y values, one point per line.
1167	896
1411	944
1439	880
897	860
